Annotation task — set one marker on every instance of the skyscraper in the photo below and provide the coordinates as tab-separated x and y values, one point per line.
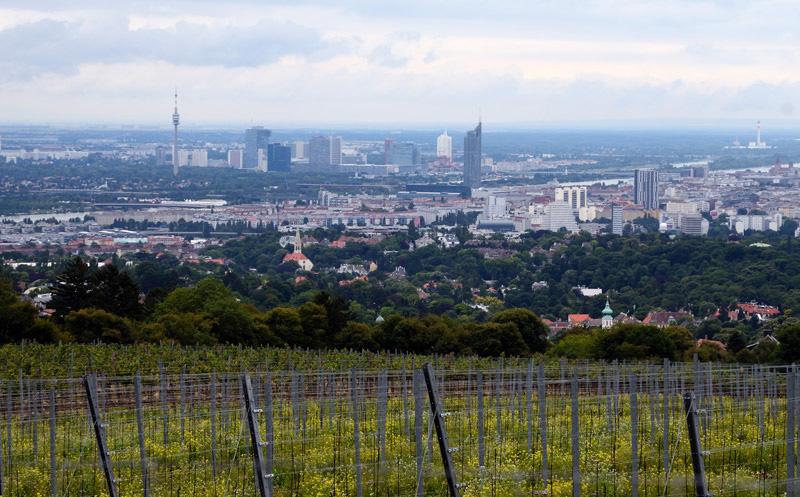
405	154
255	139
319	154
235	158
388	151
280	158
336	151
472	157
645	188
617	220
176	119
444	146
575	196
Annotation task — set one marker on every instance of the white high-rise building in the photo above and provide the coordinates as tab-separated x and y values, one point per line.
495	207
559	215
575	196
444	146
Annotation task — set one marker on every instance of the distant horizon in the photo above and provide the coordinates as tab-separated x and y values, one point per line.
744	127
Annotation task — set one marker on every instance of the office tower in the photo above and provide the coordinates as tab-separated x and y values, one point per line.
235	159
176	119
693	225
405	154
700	171
161	156
645	188
575	196
336	151
255	139
299	150
495	207
388	151
472	157
280	158
444	146
559	215
617	220
319	154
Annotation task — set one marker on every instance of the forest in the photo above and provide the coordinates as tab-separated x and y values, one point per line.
448	300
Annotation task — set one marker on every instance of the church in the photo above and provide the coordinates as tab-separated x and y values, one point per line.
298	256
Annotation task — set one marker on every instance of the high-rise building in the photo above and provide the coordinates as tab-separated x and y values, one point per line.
176	119
495	207
299	150
575	196
559	215
319	154
405	154
255	139
336	151
235	159
700	171
194	158
617	220
444	146
388	151
645	188
280	158
472	157
161	156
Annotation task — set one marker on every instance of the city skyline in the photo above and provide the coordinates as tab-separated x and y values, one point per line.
586	61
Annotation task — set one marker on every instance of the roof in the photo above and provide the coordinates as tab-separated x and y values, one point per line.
716	343
578	318
296	256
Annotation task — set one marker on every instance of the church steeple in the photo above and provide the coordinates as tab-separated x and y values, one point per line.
298	243
608	318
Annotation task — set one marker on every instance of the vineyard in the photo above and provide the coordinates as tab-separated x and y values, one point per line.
351	424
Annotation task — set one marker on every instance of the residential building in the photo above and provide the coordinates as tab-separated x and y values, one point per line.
617	220
645	188
236	159
573	195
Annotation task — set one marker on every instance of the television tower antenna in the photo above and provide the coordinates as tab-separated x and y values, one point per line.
176	119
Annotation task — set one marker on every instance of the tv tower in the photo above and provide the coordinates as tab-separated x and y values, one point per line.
176	119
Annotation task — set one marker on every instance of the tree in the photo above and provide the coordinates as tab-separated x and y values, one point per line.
19	319
736	341
71	291
498	339
530	327
114	291
789	348
86	325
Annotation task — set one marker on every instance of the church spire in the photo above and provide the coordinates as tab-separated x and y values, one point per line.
298	243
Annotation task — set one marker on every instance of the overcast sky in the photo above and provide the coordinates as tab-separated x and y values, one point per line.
410	61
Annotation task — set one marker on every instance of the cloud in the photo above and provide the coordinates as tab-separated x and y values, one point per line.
48	45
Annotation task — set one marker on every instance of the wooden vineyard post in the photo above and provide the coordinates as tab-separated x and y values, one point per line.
700	485
260	471
441	430
100	434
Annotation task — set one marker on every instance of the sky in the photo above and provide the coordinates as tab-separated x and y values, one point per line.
311	62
